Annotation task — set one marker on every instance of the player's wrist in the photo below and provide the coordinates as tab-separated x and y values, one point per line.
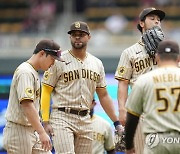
116	123
118	127
45	123
122	109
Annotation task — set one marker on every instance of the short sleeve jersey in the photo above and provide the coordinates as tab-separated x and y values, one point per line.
25	86
133	62
75	81
102	135
157	95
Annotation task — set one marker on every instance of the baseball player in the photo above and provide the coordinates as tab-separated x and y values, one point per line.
135	61
157	95
72	85
102	134
23	133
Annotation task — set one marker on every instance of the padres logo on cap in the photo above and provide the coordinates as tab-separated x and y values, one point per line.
29	92
77	25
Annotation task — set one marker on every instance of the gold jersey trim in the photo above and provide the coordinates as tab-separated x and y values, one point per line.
70	51
133	113
26	99
47	85
119	78
101	87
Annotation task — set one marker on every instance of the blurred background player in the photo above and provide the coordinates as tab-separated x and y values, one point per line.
23	132
103	138
157	95
73	84
135	61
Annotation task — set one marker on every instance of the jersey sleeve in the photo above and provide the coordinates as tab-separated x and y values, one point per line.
124	68
25	86
134	104
102	81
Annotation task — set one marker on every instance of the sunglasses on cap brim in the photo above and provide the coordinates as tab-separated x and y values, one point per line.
55	53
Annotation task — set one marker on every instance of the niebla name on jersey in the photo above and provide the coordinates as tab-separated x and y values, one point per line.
166	78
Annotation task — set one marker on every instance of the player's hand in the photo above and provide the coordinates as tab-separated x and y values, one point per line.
131	151
45	141
122	116
48	128
120	129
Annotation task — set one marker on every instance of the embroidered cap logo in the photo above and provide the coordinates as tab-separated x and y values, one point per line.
77	25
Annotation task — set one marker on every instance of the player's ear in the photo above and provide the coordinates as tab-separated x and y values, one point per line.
142	23
89	36
41	53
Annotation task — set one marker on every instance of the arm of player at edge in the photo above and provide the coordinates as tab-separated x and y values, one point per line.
122	97
45	107
33	118
130	129
107	103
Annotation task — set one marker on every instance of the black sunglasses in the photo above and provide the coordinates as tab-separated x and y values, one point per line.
56	53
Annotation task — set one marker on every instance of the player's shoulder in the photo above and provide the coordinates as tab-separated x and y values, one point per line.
65	52
133	48
146	77
93	58
25	69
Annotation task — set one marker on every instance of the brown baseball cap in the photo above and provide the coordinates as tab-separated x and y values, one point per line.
50	47
148	11
79	26
168	46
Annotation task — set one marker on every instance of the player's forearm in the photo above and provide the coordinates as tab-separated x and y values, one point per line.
33	117
107	103
45	101
122	94
108	107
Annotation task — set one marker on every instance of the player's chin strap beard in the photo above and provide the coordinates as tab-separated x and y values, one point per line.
91	112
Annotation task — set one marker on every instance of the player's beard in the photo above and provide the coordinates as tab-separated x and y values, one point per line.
79	45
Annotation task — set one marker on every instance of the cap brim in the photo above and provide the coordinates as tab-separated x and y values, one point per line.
58	58
159	13
69	32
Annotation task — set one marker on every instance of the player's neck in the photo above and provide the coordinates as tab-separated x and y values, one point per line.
79	53
168	64
32	61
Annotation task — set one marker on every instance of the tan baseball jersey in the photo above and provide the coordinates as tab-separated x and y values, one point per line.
102	135
133	62
25	85
75	81
18	135
157	95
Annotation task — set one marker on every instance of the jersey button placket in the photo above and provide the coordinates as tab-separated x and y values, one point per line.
81	86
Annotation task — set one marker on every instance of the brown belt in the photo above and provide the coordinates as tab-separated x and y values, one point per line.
73	111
